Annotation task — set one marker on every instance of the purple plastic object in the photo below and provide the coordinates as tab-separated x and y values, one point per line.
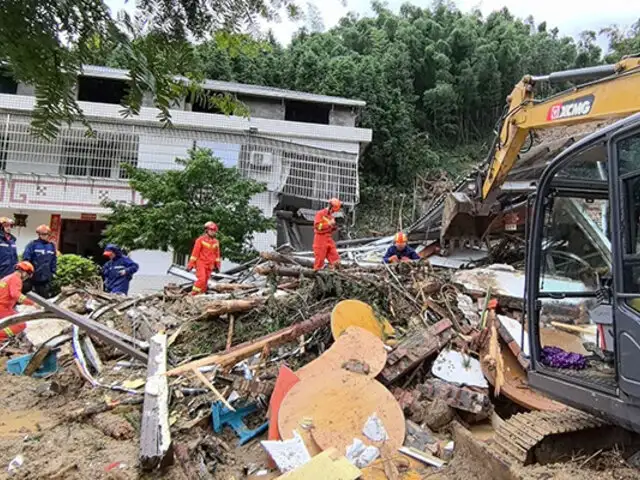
557	358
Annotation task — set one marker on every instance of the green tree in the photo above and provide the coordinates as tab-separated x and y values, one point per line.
46	44
180	202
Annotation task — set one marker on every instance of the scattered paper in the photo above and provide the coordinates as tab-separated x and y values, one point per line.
454	367
287	454
468	309
374	429
361	455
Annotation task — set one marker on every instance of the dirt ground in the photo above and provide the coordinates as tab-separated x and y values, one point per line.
34	423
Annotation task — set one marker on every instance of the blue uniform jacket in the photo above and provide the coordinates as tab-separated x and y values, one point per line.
114	280
8	254
408	252
42	255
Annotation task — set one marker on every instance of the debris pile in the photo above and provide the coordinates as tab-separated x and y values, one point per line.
281	371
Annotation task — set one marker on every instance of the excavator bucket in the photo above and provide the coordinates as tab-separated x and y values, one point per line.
464	222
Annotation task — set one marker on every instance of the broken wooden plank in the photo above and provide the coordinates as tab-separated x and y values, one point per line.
155	438
411	351
232	319
247	349
94	328
210	386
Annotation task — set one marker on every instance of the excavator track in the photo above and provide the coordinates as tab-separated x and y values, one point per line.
516	440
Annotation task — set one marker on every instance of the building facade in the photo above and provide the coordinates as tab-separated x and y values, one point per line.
304	147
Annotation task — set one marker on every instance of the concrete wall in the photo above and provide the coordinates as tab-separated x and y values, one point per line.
271	108
342	116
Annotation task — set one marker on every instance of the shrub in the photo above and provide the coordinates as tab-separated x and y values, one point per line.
75	271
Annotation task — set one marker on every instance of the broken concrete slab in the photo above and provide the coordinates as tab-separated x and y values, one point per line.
457	397
455	367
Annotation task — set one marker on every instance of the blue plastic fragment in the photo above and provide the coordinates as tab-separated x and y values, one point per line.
17	366
221	416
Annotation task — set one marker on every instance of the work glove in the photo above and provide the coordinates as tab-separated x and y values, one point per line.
393	259
190	267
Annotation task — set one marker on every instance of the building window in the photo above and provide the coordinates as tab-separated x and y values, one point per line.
8	84
101	156
307	112
102	90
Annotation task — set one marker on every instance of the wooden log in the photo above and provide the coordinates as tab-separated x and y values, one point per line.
220	307
285	260
285	271
411	351
155	437
232	319
231	287
247	349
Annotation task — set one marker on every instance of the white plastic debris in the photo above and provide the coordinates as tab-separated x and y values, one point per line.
454	367
468	309
374	429
287	454
15	464
360	454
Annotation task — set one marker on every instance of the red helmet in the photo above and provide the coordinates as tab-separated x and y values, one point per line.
335	204
211	226
43	229
400	238
25	267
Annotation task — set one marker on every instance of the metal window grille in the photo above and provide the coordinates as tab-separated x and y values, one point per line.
285	167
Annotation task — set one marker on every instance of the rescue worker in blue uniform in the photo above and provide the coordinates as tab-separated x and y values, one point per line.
118	271
42	254
400	251
8	248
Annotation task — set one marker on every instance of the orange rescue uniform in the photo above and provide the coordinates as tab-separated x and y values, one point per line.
10	295
324	225
204	257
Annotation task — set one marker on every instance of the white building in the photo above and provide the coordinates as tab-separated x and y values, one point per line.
305	147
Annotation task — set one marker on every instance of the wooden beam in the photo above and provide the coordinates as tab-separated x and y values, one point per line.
248	349
155	438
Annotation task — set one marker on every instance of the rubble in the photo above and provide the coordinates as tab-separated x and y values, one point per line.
367	368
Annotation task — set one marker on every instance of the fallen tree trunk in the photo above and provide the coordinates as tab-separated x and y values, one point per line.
231	287
155	437
285	271
247	349
286	260
220	307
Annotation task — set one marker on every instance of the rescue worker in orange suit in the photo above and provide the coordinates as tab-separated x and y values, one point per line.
324	226
205	258
11	295
400	251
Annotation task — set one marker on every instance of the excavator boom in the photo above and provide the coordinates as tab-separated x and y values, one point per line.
615	93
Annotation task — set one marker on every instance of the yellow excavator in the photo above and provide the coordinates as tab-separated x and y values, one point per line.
612	92
582	250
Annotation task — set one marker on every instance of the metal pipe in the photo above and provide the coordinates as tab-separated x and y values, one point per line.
576	74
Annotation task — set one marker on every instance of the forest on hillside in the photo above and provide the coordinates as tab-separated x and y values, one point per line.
434	79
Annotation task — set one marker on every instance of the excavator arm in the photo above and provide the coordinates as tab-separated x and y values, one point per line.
615	92
616	95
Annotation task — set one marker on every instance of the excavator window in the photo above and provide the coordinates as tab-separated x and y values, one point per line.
629	167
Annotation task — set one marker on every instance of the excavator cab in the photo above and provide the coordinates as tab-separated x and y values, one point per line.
583	269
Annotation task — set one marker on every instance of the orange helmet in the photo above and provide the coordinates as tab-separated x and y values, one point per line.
43	229
25	267
335	204
4	220
400	238
211	226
